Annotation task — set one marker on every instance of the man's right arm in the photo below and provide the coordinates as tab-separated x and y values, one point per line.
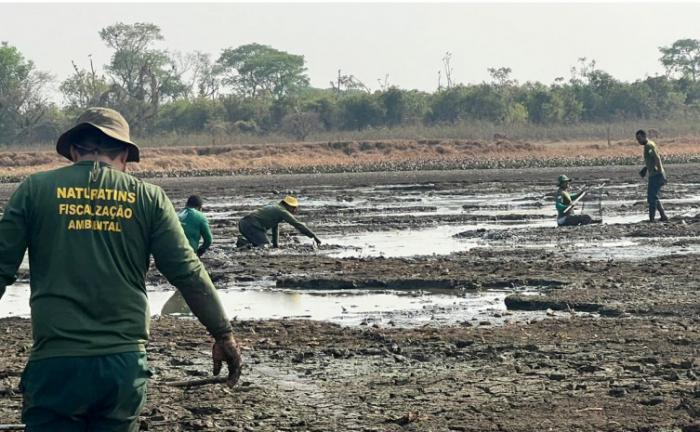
177	261
14	231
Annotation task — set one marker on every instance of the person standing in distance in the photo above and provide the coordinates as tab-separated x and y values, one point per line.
90	229
654	170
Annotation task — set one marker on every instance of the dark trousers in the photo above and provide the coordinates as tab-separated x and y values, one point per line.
252	233
653	189
575	220
84	394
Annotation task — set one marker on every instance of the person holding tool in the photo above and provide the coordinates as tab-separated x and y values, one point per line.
90	229
565	204
654	170
254	226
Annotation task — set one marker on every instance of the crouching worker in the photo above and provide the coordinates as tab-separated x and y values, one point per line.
90	229
565	205
195	225
254	227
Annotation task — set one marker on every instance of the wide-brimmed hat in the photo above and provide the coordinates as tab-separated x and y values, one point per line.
563	179
291	201
107	121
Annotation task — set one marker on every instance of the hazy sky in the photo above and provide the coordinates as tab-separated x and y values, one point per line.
407	41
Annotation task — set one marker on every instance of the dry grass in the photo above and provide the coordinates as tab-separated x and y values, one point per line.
293	156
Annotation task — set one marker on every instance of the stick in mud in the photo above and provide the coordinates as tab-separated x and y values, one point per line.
195	382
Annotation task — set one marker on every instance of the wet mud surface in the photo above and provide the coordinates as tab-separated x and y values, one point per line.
586	328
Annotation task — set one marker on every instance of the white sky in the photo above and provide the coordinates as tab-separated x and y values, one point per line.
407	41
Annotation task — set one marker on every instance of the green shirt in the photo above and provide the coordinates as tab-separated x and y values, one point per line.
196	226
651	153
564	200
270	216
89	247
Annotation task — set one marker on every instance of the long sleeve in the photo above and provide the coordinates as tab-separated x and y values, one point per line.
291	220
178	263
14	235
206	234
276	235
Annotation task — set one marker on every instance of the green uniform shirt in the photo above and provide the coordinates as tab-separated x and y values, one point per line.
196	226
564	200
89	247
651	152
270	216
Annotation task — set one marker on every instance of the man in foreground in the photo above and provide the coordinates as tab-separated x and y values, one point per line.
195	225
90	229
565	204
656	174
254	226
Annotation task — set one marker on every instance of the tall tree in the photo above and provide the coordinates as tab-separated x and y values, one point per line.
682	57
22	102
83	89
143	77
256	70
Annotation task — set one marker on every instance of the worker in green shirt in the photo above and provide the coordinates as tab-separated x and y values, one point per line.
195	224
654	170
565	208
90	229
254	227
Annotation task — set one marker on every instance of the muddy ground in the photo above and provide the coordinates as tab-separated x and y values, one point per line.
612	344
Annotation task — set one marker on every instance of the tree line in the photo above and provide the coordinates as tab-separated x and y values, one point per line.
257	89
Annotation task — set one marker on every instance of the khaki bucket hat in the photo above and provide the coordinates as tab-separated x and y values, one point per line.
106	120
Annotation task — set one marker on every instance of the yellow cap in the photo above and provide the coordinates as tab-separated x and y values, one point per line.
291	201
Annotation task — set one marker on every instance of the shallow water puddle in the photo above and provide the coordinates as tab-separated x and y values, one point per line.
437	240
631	249
351	307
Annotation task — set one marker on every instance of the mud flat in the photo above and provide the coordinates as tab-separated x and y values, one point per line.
440	301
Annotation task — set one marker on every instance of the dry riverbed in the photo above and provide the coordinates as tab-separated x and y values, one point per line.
440	301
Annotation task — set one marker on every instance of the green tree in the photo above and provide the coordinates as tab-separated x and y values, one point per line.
360	111
256	70
301	124
682	57
143	76
84	89
22	103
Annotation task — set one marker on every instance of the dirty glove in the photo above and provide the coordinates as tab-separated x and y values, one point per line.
643	172
226	349
201	251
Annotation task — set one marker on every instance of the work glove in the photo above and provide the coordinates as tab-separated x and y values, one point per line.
201	251
643	172
226	350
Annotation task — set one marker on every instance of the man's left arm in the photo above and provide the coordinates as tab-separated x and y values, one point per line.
657	162
14	230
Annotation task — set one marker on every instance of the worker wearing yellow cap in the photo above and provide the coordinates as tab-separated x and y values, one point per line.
254	227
